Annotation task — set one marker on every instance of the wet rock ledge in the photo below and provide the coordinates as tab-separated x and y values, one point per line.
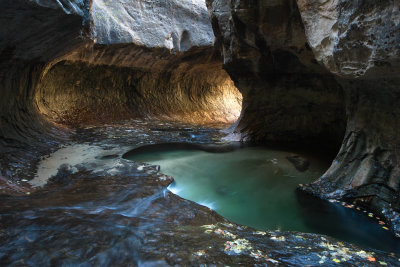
115	212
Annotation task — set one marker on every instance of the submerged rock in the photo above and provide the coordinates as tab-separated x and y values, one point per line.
299	162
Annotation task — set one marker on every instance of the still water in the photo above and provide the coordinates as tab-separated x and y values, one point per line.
256	187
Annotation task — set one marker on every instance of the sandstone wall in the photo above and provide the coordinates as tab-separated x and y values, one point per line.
79	61
359	41
288	98
327	55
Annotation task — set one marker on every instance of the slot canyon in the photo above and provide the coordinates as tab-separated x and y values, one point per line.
119	117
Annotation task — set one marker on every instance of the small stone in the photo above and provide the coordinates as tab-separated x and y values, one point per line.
272	260
259	233
300	163
200	253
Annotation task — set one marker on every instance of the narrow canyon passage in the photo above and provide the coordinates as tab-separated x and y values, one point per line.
292	105
193	89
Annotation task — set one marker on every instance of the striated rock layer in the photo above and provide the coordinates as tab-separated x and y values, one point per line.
172	60
33	33
77	62
308	60
189	87
358	41
288	98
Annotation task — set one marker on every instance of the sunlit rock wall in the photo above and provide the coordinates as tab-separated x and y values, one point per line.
99	38
76	93
146	36
147	58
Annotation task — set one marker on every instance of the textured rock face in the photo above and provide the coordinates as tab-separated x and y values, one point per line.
33	34
175	25
356	38
359	42
287	97
30	38
78	7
